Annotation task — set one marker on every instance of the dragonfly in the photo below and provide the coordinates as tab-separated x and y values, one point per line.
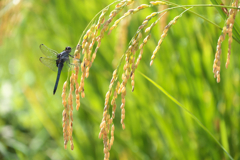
58	61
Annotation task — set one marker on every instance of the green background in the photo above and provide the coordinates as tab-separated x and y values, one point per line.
156	128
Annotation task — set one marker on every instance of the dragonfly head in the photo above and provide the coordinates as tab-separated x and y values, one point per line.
68	49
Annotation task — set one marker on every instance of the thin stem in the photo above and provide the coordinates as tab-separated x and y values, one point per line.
94	19
200	5
186	110
205	5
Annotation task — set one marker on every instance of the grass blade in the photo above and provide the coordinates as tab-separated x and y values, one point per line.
185	110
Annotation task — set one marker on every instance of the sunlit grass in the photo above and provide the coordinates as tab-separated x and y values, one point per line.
155	128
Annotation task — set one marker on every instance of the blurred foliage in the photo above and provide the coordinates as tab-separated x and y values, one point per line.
30	116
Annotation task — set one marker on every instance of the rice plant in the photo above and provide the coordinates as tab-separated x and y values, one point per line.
90	43
157	80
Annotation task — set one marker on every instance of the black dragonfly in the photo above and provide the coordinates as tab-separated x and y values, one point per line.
57	61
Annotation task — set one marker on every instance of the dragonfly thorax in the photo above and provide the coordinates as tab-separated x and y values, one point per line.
63	56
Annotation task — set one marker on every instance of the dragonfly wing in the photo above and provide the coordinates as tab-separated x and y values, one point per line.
49	62
74	62
66	67
48	52
70	63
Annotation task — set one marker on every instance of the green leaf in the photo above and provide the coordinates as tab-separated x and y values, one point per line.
187	111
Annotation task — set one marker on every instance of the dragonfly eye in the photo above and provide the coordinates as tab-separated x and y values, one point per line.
68	48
